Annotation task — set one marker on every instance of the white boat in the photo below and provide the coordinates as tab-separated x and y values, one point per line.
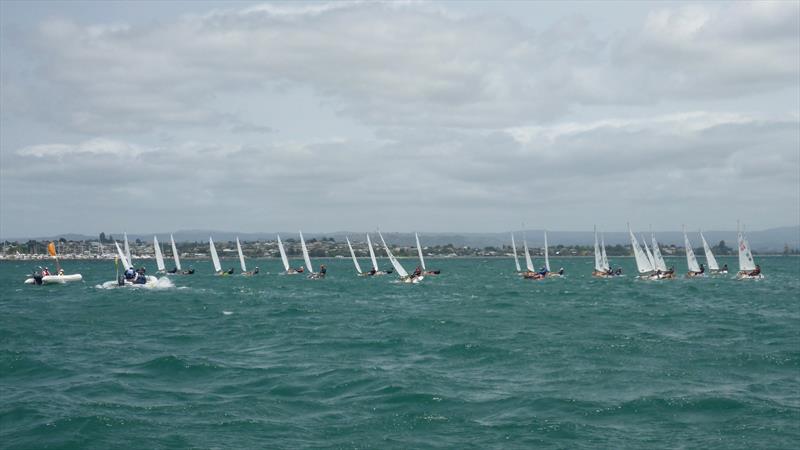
658	261
425	271
691	260
159	256
241	260
286	269
59	278
528	261
309	267
353	255
149	280
643	264
711	261
514	249
550	273
748	269
375	270
648	254
606	264
600	269
401	271
215	259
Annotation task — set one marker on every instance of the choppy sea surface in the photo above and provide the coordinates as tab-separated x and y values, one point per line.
474	358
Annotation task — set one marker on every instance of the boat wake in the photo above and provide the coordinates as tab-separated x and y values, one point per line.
160	283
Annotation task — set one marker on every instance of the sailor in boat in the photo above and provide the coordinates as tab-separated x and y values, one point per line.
417	272
322	271
141	278
230	271
724	269
130	274
37	276
697	274
300	269
253	272
45	272
755	272
188	272
560	273
61	272
372	271
173	270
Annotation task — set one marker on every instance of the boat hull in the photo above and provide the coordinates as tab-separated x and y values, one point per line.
57	279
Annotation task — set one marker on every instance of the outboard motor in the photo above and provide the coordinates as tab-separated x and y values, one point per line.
37	278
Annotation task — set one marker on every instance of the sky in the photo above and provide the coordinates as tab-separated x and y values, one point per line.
431	116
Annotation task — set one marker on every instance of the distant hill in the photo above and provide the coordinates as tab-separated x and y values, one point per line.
770	240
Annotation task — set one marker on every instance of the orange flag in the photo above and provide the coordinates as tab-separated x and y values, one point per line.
51	247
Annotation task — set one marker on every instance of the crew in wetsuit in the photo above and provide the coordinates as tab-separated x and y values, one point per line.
322	271
130	274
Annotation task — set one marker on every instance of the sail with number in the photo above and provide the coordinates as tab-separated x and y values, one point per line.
122	257
710	260
606	265
528	262
546	254
691	260
309	267
175	253
241	256
419	250
514	249
353	254
214	256
643	265
598	257
395	263
128	250
159	255
658	260
746	262
372	254
284	259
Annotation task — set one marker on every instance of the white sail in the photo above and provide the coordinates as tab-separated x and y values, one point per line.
372	254
241	256
710	260
658	260
126	265
514	249
648	254
606	265
214	257
353	254
395	263
546	254
284	259
128	250
598	257
746	262
175	253
419	250
159	256
528	262
309	267
643	264
691	260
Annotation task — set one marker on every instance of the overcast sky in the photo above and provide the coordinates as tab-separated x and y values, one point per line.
246	116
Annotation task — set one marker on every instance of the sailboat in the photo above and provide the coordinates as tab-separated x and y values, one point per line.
60	277
514	249
241	260
560	272
658	261
374	270
286	269
177	269
311	274
215	259
601	268
530	273
606	265
425	271
353	255
643	265
159	257
748	269
131	278
695	269
711	261
404	276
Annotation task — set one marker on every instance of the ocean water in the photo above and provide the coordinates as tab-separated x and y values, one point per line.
474	358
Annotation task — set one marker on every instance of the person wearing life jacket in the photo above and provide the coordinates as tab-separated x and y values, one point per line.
230	271
255	271
130	274
417	271
140	276
755	272
45	272
322	271
300	269
60	272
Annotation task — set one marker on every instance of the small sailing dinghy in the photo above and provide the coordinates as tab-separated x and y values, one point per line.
530	273
643	264
374	271
177	269
425	271
514	250
41	277
748	269
711	261
662	272
286	269
241	260
312	275
695	269
215	260
550	273
133	278
600	269
404	276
